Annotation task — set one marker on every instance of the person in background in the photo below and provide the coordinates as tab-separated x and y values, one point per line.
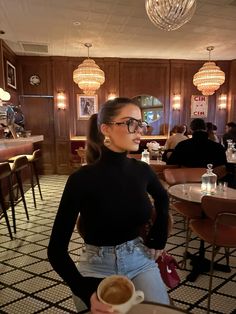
230	133
211	131
173	140
198	151
186	132
110	195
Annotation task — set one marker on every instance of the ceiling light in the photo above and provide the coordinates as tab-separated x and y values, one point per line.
209	77
88	75
170	15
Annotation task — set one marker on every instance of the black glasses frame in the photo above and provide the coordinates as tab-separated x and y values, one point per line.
140	124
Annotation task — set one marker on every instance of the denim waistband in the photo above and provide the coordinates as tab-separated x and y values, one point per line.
129	245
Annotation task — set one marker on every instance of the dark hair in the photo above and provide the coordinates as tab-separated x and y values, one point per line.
197	124
231	124
95	138
179	129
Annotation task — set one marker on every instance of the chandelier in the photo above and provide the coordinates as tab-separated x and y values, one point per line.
88	75
209	77
170	15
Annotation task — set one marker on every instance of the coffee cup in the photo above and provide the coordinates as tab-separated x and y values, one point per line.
119	292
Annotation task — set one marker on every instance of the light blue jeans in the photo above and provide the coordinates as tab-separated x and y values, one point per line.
131	259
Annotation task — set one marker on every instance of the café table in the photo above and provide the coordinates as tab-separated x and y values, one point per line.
192	192
153	308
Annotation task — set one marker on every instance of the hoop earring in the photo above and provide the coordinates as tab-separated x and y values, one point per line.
107	141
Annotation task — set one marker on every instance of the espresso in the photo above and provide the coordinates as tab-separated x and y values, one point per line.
116	292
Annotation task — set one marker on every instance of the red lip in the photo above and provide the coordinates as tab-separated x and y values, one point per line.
137	140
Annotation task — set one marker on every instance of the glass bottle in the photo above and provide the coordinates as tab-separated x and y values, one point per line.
145	156
209	180
229	150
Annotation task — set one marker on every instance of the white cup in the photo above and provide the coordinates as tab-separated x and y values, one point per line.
119	292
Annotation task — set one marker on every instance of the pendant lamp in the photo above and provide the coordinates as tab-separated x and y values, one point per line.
209	77
170	15
88	75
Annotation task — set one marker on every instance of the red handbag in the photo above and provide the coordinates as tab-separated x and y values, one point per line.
168	265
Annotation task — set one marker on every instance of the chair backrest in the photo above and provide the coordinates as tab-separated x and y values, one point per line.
220	171
5	170
183	175
82	154
221	209
20	163
159	169
36	154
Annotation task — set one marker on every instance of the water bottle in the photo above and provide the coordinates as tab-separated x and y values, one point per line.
145	156
209	179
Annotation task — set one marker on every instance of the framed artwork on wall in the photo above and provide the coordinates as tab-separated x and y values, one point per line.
199	106
11	75
86	106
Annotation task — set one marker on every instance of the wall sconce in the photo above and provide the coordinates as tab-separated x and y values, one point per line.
111	96
176	102
222	104
61	101
4	96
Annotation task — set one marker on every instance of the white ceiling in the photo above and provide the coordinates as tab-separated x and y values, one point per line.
117	28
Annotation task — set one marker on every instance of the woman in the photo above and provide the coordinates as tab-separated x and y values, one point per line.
111	196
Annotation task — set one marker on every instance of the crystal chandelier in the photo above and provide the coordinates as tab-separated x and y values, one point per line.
209	77
170	15
88	75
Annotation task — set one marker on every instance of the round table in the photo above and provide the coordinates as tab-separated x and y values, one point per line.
153	308
192	192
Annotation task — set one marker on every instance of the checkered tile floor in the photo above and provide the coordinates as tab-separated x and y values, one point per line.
29	285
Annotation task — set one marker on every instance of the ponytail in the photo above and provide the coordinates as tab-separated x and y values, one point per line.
94	140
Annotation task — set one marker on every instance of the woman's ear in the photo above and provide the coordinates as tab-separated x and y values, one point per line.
105	129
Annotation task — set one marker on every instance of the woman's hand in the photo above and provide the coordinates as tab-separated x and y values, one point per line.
155	253
98	307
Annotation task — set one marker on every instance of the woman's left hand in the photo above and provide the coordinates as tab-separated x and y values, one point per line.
155	253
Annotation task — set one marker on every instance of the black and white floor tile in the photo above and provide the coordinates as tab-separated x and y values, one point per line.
29	285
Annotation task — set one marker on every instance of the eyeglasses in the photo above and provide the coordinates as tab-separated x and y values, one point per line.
132	125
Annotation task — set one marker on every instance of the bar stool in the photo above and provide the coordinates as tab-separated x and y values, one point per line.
5	174
18	164
32	160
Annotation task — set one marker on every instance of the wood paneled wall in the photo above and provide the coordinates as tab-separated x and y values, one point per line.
124	77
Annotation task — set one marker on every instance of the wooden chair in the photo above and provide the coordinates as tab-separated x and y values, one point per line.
218	229
188	210
32	162
81	152
5	175
17	165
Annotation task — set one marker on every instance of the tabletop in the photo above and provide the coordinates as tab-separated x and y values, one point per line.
192	192
153	308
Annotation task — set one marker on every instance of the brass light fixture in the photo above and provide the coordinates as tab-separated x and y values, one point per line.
170	15
88	75
209	77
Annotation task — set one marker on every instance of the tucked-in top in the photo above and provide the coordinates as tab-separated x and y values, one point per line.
112	199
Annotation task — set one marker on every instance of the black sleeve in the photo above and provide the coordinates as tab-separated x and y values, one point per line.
58	255
175	157
157	236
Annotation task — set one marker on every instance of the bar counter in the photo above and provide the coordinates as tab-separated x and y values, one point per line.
19	146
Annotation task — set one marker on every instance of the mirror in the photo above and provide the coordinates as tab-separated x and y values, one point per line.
152	112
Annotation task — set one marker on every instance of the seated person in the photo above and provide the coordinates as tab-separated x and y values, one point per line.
230	133
173	140
198	151
211	130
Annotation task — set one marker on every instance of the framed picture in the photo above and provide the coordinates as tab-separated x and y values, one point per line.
11	75
86	106
199	106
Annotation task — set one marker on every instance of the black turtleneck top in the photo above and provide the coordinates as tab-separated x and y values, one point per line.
112	199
